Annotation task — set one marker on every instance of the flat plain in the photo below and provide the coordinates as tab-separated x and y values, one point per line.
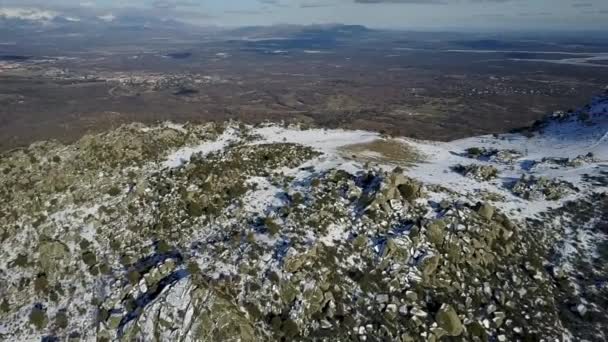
438	86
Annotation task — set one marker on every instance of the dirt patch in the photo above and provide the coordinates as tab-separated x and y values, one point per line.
383	151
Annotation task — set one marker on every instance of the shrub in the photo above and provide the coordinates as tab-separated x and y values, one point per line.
38	317
89	258
273	227
114	191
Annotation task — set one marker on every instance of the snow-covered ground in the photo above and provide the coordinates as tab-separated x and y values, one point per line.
559	139
567	138
183	155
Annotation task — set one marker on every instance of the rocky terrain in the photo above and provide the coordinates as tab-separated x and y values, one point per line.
231	232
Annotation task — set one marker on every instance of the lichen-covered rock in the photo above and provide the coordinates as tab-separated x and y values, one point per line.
436	232
410	190
223	321
503	156
535	188
397	249
486	211
477	172
448	320
429	264
51	254
228	232
393	188
553	162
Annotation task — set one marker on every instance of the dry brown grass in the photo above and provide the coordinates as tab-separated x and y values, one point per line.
383	151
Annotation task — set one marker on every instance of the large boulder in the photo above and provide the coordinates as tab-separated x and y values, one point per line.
410	190
448	320
429	264
435	232
476	171
51	254
486	211
395	188
222	320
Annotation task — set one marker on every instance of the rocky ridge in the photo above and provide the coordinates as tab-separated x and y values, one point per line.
237	233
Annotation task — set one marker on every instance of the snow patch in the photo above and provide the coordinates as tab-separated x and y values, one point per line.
265	199
183	155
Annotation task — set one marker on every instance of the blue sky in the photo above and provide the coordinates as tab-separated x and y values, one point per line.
421	14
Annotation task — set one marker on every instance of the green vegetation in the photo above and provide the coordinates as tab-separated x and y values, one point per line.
84	244
61	319
272	226
41	283
475	152
163	247
194	209
133	277
21	260
114	191
89	258
38	317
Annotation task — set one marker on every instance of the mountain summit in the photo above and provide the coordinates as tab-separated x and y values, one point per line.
233	232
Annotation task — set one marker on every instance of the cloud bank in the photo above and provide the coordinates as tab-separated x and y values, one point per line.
431	14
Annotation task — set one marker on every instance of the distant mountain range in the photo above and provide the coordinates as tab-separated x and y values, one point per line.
32	18
301	31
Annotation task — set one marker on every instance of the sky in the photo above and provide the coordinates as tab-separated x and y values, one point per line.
396	14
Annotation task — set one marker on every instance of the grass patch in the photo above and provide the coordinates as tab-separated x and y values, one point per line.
383	151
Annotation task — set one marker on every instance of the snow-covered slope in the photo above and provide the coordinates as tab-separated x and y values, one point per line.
239	233
560	136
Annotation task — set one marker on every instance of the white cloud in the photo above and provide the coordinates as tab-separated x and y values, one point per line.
33	14
416	14
107	17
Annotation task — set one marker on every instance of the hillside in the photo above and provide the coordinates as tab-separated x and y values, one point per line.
232	232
